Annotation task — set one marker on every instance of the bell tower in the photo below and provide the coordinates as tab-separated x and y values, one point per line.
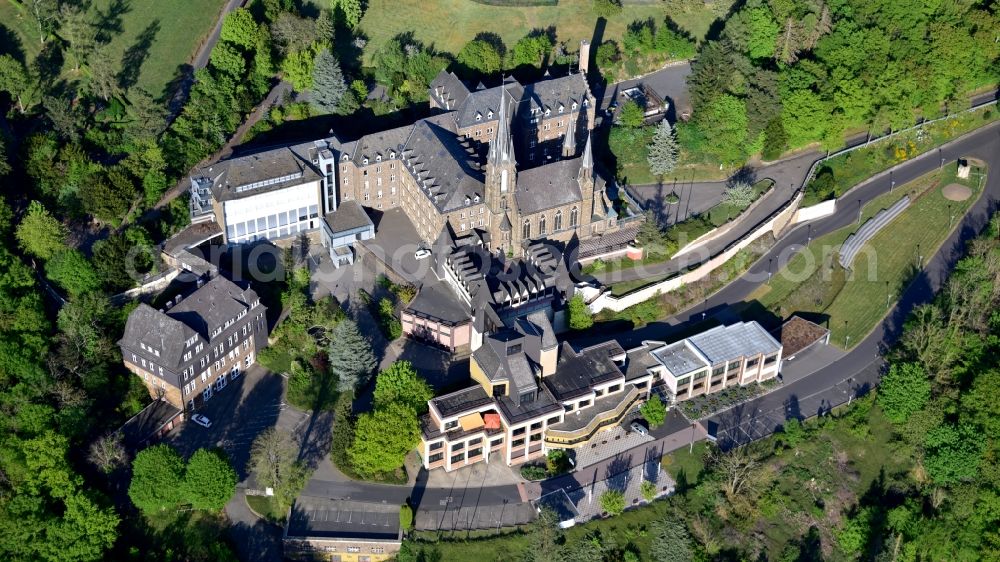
501	177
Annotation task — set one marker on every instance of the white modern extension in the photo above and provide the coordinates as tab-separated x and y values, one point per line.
708	362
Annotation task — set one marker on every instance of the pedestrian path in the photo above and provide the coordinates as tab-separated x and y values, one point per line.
608	444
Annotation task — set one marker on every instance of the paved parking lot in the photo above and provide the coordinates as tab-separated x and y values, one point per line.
239	413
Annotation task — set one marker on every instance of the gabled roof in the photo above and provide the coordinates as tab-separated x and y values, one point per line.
212	305
448	90
483	106
549	186
447	171
154	329
555	92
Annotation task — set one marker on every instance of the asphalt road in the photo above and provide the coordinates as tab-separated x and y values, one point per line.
857	372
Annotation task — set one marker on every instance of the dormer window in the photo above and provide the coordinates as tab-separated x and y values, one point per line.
562	108
476	198
392	155
479	117
364	161
527	397
489	115
378	158
344	157
548	111
574	105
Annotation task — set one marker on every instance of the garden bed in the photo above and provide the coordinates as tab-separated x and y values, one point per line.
706	405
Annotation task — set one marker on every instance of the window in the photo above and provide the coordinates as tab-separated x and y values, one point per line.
526	229
437	445
541	225
458	458
536	425
475	441
573	214
771	359
584	403
557	223
457	447
435	458
476	453
451	425
517	443
614	388
518	431
753	362
718	370
552	420
733	365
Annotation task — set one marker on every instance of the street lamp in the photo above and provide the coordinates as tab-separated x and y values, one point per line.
769	260
887	295
942	158
809	234
859	211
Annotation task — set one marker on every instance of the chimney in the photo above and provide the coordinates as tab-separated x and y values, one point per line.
584	55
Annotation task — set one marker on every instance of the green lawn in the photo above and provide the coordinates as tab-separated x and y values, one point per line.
854	167
814	282
266	507
161	34
449	24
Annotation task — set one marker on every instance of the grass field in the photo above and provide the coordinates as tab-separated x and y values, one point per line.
161	34
449	24
855	303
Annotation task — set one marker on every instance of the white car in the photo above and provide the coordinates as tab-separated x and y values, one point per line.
639	428
201	420
422	253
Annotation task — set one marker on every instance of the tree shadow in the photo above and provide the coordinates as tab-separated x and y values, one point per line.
176	91
617	472
10	44
49	63
109	22
136	55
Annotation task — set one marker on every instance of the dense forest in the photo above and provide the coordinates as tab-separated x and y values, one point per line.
785	73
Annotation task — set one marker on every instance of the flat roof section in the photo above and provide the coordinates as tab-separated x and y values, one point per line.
461	401
797	334
327	518
724	343
679	358
437	301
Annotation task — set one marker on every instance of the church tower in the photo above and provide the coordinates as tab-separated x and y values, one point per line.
501	179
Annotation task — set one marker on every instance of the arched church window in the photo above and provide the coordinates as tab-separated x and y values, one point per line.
573	217
557	224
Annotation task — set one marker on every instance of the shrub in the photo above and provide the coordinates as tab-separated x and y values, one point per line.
648	490
533	472
613	502
405	517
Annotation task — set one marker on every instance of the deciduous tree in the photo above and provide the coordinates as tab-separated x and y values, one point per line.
209	480
904	389
70	270
579	315
383	438
240	28
613	502
654	411
401	384
40	234
481	56
157	478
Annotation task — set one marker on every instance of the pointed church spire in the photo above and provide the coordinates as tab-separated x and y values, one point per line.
502	145
569	141
588	156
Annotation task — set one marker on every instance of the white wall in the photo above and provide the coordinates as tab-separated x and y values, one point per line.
270	205
824	209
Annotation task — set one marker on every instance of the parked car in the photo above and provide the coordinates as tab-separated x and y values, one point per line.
201	420
422	253
639	428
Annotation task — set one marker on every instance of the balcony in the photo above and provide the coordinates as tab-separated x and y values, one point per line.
579	428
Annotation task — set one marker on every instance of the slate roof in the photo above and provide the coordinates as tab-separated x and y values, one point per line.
498	360
447	170
578	372
548	186
199	314
438	301
146	325
214	303
551	93
537	324
638	361
150	420
448	90
724	343
485	103
350	215
233	178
